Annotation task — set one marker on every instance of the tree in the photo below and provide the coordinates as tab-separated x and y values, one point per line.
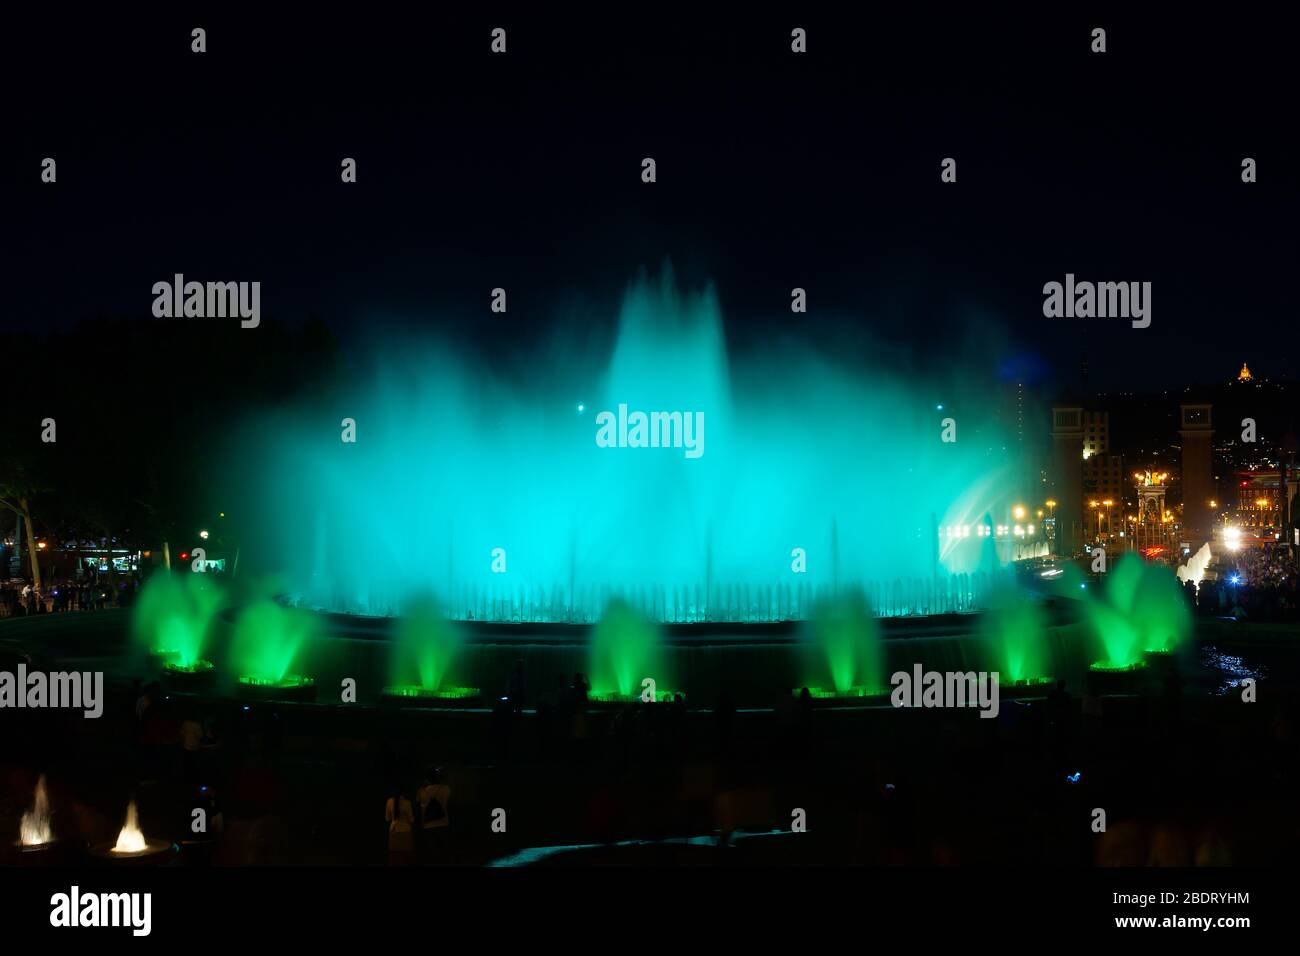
18	487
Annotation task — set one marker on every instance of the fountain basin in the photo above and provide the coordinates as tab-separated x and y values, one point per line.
155	853
1026	687
413	695
157	660
193	678
1161	661
1108	678
50	853
612	700
852	697
292	688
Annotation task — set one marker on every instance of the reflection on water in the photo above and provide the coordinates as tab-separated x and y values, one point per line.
1230	669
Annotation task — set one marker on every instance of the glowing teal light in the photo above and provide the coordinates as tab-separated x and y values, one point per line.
461	458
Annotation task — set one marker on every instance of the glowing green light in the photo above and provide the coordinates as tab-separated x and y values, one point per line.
426	644
197	667
267	638
285	682
824	693
624	651
1107	667
847	637
175	614
1015	629
661	697
445	693
1142	608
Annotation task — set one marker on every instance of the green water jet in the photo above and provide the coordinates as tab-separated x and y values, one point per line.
1141	609
846	638
625	650
1014	631
267	640
174	615
425	646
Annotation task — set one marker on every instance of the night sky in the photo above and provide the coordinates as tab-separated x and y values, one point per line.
775	170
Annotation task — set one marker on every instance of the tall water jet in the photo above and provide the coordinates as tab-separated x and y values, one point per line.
130	839
1142	609
424	650
624	651
1014	631
1110	615
34	828
174	614
846	643
1161	615
426	644
579	475
268	640
132	846
1194	569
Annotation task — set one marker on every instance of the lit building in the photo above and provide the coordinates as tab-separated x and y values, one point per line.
1259	499
1103	473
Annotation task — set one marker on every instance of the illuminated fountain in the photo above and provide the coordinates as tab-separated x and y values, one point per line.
268	639
625	650
1142	616
1014	635
172	622
844	650
1194	569
132	845
35	832
425	647
484	481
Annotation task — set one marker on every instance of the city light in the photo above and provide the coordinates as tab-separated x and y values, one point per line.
203	535
1018	512
1232	538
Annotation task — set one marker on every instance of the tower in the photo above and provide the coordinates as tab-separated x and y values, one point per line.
1067	477
1198	477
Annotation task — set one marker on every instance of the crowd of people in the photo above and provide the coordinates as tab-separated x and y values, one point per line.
1256	585
94	591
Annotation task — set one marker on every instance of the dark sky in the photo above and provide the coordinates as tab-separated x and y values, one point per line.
775	170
